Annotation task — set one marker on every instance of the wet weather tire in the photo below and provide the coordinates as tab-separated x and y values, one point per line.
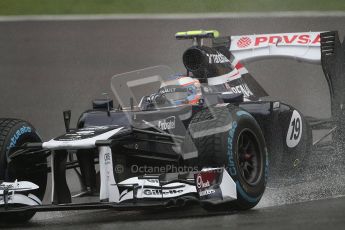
14	133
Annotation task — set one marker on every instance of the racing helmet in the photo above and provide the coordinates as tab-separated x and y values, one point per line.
181	90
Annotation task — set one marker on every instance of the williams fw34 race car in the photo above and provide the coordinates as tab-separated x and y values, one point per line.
205	136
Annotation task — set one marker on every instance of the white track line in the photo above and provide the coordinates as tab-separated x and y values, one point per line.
283	14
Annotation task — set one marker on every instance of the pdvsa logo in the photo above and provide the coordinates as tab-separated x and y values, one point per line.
288	39
244	42
297	39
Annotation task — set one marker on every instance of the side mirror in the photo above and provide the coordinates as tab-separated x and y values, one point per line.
231	98
67	119
102	104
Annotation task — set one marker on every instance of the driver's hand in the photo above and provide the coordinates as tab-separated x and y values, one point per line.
156	98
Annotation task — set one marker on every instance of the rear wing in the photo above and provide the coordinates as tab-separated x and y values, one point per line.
300	46
322	48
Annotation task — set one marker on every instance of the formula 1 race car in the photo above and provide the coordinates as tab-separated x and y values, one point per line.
204	137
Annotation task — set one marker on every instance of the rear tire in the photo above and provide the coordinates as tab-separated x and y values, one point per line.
247	165
14	133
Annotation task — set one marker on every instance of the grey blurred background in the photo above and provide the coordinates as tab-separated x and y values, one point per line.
50	66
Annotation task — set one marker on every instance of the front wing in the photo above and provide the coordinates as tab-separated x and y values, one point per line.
213	185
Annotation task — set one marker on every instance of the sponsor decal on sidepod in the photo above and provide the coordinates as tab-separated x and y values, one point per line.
217	58
167	123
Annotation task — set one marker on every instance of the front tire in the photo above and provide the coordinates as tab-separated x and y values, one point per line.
14	133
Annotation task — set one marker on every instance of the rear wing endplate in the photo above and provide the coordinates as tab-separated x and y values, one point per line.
333	65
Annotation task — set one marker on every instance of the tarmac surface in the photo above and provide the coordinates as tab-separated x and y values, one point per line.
321	214
50	66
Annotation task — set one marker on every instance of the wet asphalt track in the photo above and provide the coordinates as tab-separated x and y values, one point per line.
46	67
321	214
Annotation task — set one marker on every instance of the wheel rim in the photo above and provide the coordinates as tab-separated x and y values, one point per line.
249	157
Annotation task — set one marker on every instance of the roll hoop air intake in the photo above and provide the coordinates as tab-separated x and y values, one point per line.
205	62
